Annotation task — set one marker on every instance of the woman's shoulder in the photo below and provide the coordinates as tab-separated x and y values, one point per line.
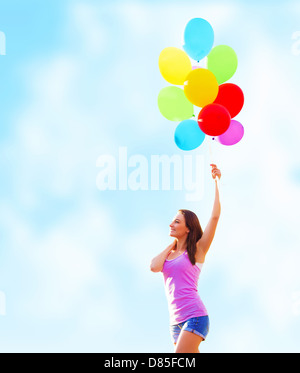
173	254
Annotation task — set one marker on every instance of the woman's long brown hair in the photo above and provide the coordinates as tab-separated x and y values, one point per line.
195	233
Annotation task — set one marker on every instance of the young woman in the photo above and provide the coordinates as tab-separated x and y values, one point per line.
181	264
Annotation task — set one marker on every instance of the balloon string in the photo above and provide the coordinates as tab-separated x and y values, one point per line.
211	156
210	151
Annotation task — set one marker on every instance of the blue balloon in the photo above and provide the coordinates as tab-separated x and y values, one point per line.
188	135
198	38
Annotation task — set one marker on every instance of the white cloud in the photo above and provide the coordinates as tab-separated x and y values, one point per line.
141	246
56	138
143	19
85	24
66	261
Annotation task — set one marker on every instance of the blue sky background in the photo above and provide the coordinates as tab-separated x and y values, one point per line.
80	79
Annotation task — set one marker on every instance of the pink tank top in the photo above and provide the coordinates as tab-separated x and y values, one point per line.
181	282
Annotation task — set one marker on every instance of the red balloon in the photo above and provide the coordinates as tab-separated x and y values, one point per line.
232	97
214	119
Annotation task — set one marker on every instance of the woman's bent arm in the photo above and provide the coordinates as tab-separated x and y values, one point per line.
157	262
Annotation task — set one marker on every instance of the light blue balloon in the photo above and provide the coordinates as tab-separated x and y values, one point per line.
188	135
198	38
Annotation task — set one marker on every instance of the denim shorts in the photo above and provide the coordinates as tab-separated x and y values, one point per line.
198	325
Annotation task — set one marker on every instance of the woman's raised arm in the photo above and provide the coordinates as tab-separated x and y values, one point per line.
207	237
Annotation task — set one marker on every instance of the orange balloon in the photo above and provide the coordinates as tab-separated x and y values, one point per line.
201	87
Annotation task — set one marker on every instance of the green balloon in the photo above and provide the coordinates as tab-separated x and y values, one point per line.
222	62
174	105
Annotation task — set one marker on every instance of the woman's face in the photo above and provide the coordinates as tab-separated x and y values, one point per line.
178	229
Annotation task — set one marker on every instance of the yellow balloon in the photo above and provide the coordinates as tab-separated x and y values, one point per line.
174	65
201	87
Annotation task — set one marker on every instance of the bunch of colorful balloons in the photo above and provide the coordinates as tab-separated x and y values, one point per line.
202	87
